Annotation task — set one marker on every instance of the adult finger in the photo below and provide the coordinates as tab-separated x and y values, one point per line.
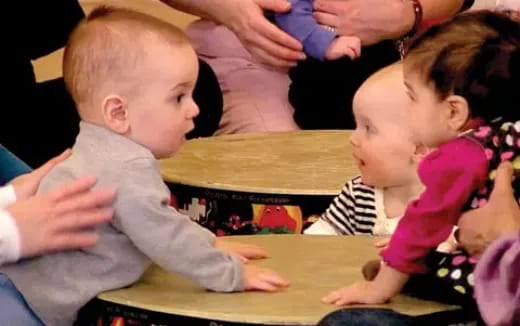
49	165
328	6
83	219
276	49
272	32
86	200
72	240
269	59
72	188
279	6
502	189
327	19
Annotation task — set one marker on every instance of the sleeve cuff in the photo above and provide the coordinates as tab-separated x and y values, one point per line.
10	245
317	43
7	196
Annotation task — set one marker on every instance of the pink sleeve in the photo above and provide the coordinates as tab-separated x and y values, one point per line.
450	174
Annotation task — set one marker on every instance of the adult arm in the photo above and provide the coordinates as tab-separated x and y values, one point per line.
246	19
376	20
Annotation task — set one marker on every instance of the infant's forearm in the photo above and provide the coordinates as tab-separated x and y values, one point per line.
390	281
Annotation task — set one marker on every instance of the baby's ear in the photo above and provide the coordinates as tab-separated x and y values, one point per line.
458	112
420	152
115	114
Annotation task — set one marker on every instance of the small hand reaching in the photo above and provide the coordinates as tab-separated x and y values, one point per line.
349	46
262	279
242	251
382	244
361	292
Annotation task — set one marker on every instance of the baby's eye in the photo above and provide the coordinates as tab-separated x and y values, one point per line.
179	98
367	128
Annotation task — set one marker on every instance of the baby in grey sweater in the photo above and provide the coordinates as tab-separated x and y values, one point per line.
132	78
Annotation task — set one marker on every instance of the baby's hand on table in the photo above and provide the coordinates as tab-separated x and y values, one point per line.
242	251
381	244
361	292
262	279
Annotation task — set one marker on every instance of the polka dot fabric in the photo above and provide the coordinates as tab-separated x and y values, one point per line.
500	142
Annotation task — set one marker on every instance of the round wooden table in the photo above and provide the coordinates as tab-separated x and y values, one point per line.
314	264
259	183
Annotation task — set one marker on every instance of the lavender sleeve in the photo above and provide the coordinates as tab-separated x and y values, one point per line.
300	23
497	282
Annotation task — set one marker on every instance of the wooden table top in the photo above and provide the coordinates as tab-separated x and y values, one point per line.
314	264
301	162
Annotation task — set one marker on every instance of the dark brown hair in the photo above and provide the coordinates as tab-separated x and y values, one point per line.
476	55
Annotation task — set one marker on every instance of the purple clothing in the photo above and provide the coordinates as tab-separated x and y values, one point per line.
300	23
450	174
497	282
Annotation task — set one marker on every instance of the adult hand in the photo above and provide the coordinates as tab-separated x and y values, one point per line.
57	220
26	185
261	38
370	20
501	215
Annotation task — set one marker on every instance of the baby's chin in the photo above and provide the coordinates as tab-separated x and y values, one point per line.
166	155
371	182
366	180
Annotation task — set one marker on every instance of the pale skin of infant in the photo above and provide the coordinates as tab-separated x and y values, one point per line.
349	46
161	116
384	149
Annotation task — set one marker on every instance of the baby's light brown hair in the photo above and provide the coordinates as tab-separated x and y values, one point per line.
105	51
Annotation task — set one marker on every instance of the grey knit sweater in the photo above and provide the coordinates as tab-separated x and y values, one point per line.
144	229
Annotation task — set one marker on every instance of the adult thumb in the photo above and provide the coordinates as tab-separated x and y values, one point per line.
502	188
279	6
51	164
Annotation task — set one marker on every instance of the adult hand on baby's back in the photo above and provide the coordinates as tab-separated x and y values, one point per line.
26	185
57	220
501	215
370	20
262	279
261	38
242	251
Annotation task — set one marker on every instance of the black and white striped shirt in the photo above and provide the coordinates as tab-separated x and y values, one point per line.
358	209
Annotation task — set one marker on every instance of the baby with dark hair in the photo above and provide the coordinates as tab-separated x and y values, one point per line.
462	79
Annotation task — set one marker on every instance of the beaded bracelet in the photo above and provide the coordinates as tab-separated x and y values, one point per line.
418	11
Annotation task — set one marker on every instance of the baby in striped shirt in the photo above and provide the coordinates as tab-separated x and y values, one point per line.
387	158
